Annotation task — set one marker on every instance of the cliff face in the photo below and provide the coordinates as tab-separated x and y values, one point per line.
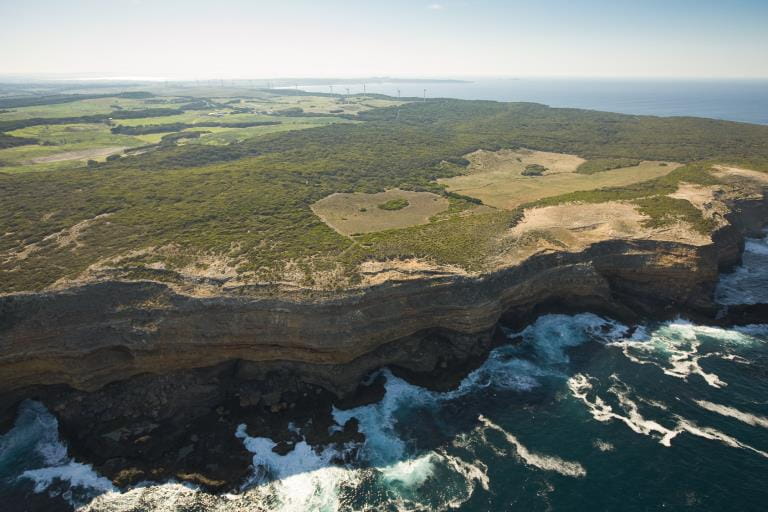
96	334
124	361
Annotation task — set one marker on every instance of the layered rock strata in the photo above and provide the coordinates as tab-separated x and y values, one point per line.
149	383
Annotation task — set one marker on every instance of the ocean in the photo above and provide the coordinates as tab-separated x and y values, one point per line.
733	100
584	413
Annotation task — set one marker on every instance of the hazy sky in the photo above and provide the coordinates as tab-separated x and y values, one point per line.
254	38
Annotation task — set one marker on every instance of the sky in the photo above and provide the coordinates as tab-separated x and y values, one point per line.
199	39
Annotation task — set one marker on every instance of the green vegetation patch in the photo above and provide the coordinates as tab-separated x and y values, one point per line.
534	170
664	211
54	99
10	141
175	127
394	204
606	164
468	241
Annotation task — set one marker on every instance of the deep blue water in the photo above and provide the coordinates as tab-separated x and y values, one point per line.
583	414
734	100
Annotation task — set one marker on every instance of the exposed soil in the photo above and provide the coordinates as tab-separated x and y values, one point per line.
82	154
360	213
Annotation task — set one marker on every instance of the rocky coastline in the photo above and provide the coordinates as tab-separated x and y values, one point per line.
139	375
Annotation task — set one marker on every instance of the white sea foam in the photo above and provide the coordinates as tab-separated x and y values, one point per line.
676	349
383	446
74	473
757	246
716	435
411	472
551	335
732	412
302	479
474	471
308	479
581	387
545	462
748	283
36	432
603	446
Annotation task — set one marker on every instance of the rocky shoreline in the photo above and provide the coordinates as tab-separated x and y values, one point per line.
150	384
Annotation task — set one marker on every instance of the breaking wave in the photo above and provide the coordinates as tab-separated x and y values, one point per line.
678	348
748	283
32	451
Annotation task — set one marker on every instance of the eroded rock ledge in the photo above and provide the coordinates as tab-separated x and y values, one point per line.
149	383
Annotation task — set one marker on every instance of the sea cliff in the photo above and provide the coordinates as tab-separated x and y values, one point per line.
137	371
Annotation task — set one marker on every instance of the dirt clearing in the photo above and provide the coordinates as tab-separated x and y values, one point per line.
84	154
361	213
496	177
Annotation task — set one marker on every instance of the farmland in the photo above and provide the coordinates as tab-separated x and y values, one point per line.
72	127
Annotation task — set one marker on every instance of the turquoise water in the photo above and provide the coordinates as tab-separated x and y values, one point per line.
733	100
584	414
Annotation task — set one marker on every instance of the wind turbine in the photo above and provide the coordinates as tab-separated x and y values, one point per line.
425	95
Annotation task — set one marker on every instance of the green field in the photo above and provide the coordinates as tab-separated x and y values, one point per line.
245	196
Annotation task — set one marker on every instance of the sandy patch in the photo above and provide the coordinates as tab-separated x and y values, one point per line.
575	226
377	272
84	154
744	173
